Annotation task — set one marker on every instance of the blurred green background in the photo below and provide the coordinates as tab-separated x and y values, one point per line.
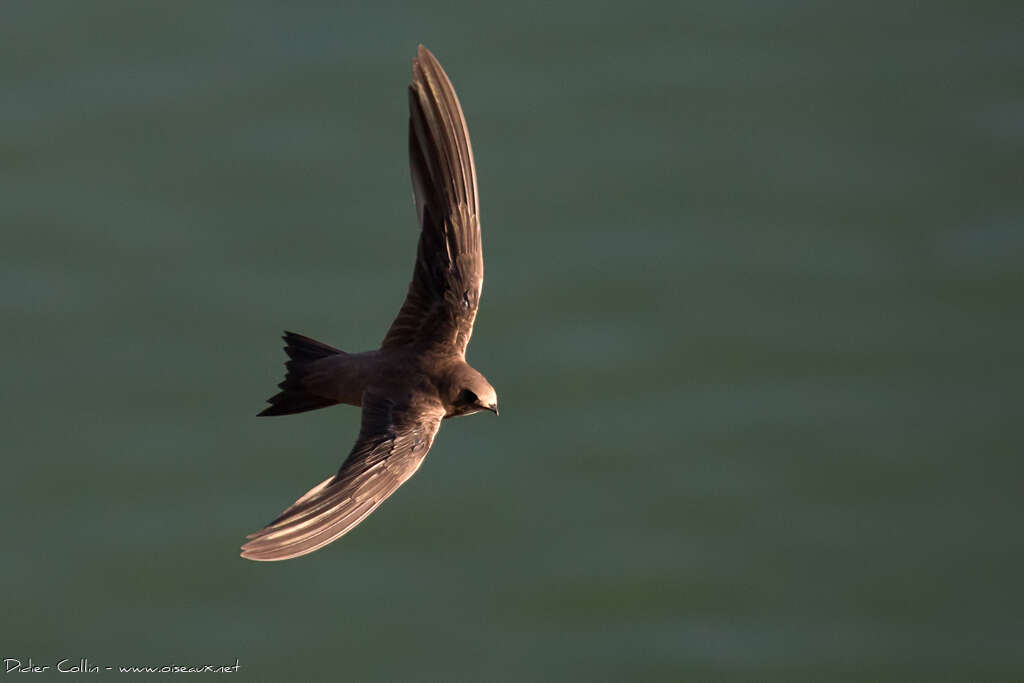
753	309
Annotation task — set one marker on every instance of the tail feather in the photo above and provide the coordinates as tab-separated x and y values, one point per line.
294	397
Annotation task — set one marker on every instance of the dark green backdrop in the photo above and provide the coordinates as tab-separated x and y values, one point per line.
753	310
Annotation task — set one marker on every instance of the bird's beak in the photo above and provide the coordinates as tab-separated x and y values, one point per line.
493	408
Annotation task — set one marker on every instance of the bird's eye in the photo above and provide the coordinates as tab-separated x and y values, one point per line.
466	397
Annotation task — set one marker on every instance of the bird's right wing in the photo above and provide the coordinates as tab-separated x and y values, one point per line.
392	443
444	294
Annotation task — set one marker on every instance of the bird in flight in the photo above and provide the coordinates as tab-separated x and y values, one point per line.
419	376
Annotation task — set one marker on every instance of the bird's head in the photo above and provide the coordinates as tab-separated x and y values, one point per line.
470	393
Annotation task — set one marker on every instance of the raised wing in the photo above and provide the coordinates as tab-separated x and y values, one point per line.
392	443
444	294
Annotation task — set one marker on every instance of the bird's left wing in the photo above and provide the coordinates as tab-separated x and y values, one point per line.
392	443
444	294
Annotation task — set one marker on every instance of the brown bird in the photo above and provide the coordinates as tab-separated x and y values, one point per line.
419	375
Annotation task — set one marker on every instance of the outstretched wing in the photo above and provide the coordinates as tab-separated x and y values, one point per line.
444	294
392	443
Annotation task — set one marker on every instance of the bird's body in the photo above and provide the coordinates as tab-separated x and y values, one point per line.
419	376
345	377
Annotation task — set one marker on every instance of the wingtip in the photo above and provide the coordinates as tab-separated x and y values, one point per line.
248	553
424	56
246	556
417	63
269	555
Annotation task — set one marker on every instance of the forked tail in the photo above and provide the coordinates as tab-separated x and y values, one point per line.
295	396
